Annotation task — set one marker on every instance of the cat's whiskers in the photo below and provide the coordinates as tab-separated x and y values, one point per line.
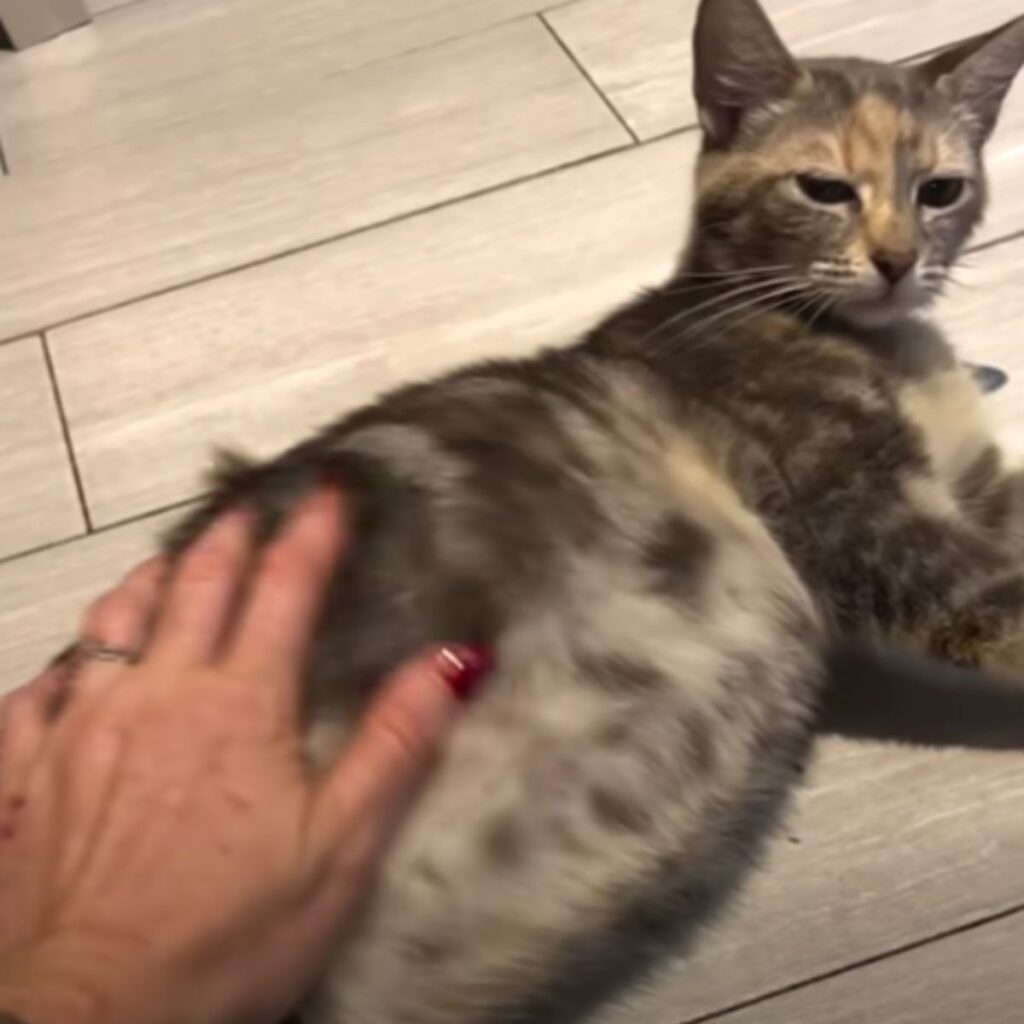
832	273
827	300
782	288
710	303
712	308
759	308
934	278
725	275
939	287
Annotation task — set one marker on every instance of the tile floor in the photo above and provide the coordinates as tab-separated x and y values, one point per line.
207	206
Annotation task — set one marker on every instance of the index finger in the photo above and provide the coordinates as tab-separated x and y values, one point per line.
277	622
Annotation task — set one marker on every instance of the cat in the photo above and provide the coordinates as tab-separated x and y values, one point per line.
669	532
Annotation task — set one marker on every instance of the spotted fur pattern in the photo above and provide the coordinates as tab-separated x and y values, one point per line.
663	530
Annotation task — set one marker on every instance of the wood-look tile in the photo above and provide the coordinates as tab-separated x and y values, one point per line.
974	976
43	595
638	51
38	500
326	158
258	358
888	846
164	63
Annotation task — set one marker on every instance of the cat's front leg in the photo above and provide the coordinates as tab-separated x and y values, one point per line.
979	622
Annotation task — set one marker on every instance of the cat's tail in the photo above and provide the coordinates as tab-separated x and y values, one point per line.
886	694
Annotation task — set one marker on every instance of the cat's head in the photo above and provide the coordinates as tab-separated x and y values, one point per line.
852	182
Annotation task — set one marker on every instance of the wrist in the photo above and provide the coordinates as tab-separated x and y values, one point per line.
59	982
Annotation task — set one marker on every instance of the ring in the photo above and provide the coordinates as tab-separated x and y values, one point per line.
88	649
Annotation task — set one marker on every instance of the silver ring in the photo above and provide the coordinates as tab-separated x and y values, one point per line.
88	649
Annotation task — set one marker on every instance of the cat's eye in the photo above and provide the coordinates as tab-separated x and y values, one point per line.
827	191
940	192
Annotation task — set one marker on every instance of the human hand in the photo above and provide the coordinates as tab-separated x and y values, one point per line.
167	855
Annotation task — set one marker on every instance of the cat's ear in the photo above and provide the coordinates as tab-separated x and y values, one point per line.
739	63
978	73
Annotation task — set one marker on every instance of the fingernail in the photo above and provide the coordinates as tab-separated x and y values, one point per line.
464	668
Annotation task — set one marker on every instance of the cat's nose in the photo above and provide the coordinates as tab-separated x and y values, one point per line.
894	264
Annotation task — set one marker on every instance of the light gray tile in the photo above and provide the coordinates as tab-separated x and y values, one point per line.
258	358
894	845
165	63
328	157
43	595
972	977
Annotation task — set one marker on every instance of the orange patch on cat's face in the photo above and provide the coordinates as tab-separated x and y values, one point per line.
885	151
876	132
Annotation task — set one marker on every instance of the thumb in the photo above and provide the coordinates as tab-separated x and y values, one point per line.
365	794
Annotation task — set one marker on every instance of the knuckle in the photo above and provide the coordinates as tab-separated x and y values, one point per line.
398	735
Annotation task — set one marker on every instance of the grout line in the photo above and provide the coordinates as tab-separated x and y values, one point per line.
433	44
139	517
891	954
589	78
329	240
98	531
114	10
65	430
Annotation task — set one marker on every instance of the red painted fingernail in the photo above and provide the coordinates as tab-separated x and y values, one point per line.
464	668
